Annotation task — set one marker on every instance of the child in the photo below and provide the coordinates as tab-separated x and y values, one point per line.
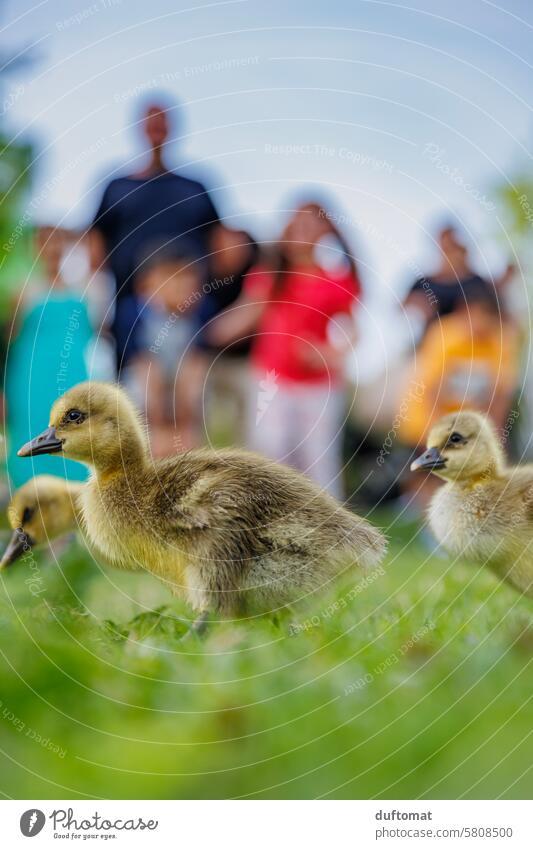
169	288
296	402
47	350
222	372
468	361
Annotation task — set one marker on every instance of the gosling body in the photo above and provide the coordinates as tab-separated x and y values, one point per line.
484	511
229	530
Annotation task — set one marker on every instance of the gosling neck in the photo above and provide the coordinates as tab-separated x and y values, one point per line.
493	471
74	491
126	457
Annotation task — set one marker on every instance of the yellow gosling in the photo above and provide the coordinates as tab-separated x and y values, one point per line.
43	509
485	509
229	530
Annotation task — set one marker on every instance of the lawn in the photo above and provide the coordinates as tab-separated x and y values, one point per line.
413	683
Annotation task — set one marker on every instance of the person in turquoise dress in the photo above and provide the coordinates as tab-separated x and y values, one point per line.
46	356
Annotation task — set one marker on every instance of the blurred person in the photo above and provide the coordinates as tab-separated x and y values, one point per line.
467	361
386	356
296	400
168	291
446	289
222	372
98	295
48	347
154	203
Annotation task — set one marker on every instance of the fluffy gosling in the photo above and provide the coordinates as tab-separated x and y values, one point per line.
43	509
229	530
485	509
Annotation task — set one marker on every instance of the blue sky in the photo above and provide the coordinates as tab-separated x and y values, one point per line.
403	113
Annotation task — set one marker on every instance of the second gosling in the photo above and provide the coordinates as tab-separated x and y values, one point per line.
229	530
41	510
485	509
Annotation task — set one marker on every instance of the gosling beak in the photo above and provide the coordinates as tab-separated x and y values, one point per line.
19	543
46	443
429	461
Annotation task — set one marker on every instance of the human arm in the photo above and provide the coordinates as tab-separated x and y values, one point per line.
100	231
243	316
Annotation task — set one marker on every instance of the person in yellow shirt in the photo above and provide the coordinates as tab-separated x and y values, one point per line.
468	360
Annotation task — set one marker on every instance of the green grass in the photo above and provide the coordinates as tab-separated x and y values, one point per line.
417	685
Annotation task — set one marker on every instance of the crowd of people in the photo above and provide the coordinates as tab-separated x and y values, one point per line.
223	337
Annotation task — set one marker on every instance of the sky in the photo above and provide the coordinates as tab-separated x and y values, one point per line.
402	115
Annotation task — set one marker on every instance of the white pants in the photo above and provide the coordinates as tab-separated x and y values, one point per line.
299	425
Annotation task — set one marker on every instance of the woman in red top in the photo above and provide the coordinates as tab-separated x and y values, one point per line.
288	306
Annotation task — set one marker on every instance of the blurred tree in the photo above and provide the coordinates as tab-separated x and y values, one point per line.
15	170
515	204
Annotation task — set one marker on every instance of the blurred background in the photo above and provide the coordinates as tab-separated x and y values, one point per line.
302	230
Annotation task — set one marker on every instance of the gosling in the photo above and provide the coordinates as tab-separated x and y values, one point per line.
485	509
229	530
41	510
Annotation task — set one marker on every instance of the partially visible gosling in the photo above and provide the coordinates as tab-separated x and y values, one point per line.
41	510
229	530
485	509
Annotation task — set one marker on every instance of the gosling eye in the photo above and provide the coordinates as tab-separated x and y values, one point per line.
27	515
75	416
456	439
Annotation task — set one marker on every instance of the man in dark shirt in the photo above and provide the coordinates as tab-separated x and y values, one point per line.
151	205
444	291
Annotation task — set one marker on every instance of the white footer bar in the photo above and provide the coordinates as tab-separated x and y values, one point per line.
267	824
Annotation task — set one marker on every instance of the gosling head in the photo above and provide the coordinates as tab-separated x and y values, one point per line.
96	424
41	510
462	447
